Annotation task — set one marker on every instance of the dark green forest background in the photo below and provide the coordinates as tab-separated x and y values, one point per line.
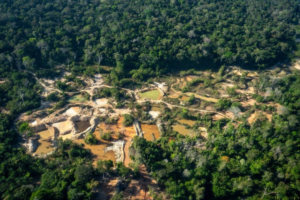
143	39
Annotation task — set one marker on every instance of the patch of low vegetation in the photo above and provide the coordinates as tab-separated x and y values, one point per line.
128	120
90	139
106	136
153	94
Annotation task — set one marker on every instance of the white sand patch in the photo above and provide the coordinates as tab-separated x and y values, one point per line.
98	80
49	81
226	85
161	86
118	148
122	111
63	127
34	123
67	136
71	112
101	102
154	114
102	110
297	64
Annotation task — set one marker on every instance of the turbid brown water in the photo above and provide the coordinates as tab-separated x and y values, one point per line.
82	125
44	146
186	121
148	129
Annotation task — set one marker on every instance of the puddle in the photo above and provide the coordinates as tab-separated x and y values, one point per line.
82	125
148	130
45	146
186	121
154	94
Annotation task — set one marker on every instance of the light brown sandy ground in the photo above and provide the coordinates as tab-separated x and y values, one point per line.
254	116
139	189
190	78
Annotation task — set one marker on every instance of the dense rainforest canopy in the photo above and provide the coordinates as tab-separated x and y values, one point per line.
147	35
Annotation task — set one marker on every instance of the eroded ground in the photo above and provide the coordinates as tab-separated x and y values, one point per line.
198	94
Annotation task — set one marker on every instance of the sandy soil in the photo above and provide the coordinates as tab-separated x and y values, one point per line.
296	64
154	114
101	102
72	111
139	189
129	134
217	117
63	127
226	85
250	90
249	102
190	78
98	150
254	116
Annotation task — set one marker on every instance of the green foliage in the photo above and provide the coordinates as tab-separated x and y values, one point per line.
221	70
128	120
223	104
122	170
24	127
106	136
84	173
90	139
53	97
104	166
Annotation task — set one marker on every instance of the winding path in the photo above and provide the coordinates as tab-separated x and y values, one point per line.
90	90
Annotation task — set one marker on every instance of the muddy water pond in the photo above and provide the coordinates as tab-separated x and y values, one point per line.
44	145
150	130
82	125
154	94
186	121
